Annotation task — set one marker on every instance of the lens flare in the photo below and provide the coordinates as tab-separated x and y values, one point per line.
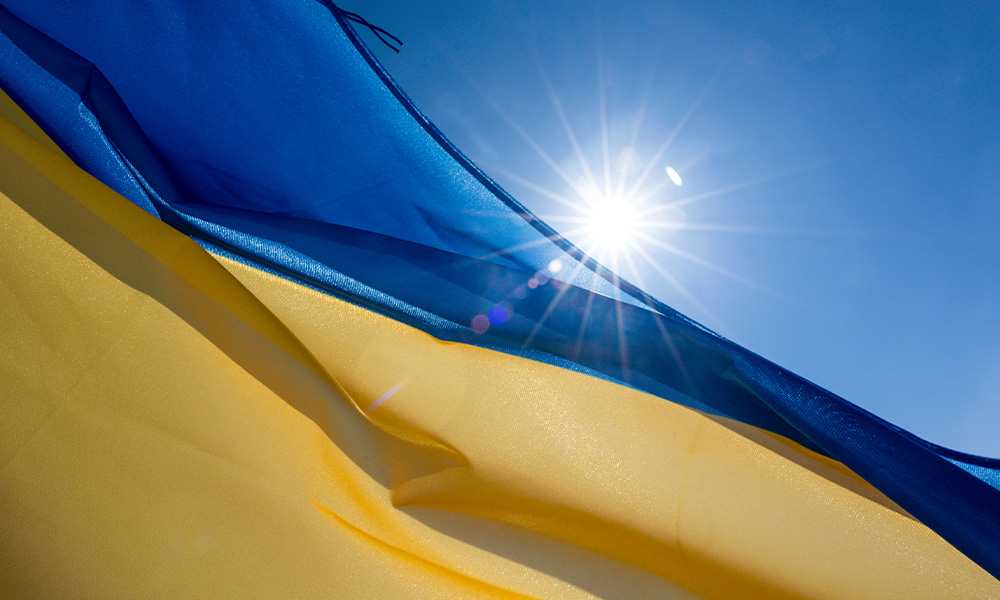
674	176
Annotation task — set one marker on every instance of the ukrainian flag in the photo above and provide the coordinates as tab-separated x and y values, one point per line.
267	334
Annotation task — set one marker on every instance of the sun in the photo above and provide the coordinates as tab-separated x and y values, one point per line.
611	225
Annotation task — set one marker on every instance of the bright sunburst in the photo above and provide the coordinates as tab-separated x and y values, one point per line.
620	202
610	224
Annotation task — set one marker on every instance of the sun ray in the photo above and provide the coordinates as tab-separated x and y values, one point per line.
549	309
709	265
720	228
602	102
630	261
534	145
583	325
673	135
574	204
645	196
623	356
563	120
680	288
693	258
695	160
641	113
550	239
658	318
579	219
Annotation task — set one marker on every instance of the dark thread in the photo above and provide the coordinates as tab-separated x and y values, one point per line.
380	33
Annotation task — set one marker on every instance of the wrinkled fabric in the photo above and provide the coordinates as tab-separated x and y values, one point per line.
286	294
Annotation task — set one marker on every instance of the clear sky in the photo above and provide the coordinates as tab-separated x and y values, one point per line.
839	206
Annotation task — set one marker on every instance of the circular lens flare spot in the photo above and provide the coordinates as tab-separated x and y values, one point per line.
499	315
480	324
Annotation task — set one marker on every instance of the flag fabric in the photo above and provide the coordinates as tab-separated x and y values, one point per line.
267	333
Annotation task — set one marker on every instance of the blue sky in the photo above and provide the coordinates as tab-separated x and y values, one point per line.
839	211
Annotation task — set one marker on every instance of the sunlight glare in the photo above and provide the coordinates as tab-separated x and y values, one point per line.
611	225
